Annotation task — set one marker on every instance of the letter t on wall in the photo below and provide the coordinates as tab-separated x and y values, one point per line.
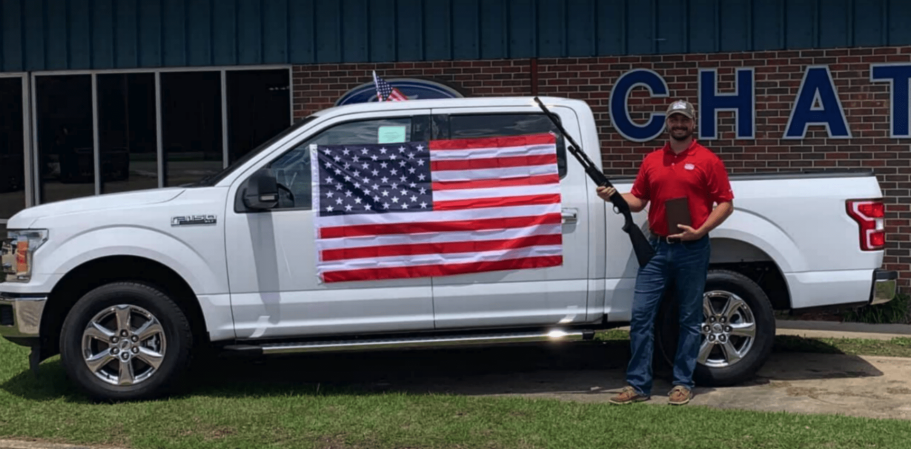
742	101
898	77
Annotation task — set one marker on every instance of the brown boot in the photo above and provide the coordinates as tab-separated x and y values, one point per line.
680	395
628	395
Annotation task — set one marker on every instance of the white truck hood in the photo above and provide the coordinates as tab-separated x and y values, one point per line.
28	217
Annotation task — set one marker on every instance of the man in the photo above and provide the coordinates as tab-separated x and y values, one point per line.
681	169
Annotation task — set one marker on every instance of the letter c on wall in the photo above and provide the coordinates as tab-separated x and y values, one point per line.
619	113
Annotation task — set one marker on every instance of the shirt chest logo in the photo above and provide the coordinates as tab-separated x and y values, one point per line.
689	167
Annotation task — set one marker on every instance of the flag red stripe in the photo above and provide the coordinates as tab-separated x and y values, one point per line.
440	248
440	226
490	183
493	162
441	270
398	95
492	142
477	203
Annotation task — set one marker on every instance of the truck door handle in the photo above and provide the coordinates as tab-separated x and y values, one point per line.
570	215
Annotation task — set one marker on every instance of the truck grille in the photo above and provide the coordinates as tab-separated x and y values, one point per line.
6	315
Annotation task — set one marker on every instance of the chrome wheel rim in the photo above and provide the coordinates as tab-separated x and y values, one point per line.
728	331
123	345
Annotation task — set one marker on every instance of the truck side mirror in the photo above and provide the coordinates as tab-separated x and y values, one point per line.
261	192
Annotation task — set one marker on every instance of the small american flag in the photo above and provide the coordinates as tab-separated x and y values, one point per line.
446	207
385	92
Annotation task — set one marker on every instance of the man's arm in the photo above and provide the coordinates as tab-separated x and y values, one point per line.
718	215
636	204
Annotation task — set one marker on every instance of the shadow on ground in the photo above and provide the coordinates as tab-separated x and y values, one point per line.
565	371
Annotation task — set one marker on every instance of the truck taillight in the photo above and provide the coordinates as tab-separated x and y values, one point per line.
870	215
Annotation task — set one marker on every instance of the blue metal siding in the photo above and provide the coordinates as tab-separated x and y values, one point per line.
107	34
466	29
381	38
199	39
734	20
149	40
669	25
355	29
581	31
640	30
611	26
493	14
126	32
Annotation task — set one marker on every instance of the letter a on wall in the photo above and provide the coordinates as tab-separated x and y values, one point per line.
817	103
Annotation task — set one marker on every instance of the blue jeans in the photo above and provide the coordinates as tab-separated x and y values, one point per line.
687	264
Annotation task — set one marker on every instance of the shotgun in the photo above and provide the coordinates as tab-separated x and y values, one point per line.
641	246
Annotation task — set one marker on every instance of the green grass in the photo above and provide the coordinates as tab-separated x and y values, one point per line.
892	312
234	410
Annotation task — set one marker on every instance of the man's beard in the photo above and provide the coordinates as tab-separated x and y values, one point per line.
686	134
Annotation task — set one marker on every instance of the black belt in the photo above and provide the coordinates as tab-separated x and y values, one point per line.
670	240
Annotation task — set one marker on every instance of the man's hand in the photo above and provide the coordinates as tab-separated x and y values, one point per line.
688	234
721	213
635	204
606	192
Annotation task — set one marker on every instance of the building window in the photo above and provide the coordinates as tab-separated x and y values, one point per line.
257	108
128	141
66	144
153	128
12	149
191	126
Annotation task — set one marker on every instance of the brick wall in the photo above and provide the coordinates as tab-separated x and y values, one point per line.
777	79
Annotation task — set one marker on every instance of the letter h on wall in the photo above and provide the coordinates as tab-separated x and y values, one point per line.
742	101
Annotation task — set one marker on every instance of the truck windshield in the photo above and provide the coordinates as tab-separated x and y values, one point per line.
214	178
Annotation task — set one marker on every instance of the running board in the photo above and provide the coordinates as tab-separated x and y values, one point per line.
413	342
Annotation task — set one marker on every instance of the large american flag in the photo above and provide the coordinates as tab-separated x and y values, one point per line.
446	207
385	91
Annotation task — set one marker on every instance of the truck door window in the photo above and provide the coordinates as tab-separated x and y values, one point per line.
463	126
292	169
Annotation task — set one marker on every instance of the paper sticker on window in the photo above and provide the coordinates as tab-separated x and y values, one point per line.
391	134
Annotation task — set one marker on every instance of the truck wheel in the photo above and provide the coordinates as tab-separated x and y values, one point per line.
125	341
738	330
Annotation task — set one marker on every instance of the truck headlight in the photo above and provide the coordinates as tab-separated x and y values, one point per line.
17	251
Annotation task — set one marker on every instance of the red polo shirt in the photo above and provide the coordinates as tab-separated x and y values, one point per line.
695	173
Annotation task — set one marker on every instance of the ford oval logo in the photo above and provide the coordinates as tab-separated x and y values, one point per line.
415	89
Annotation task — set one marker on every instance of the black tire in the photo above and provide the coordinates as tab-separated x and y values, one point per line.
667	328
175	328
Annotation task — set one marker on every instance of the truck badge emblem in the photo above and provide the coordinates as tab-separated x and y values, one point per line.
194	220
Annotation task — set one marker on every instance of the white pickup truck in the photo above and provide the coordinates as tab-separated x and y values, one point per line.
128	287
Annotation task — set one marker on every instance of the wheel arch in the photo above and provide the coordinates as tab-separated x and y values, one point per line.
97	272
755	263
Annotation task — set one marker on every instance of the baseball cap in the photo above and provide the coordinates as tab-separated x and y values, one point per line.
681	107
